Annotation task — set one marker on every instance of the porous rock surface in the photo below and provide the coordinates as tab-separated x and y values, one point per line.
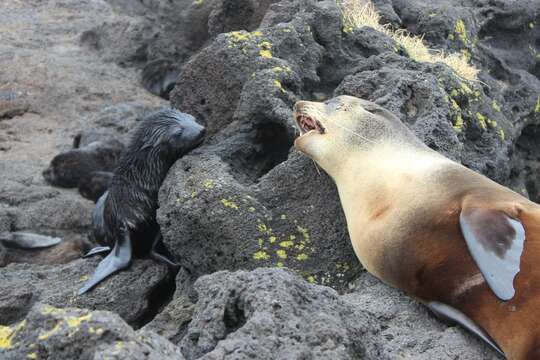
245	199
52	333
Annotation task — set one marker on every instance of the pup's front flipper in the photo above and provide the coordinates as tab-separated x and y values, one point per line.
160	253
97	250
24	240
495	240
119	258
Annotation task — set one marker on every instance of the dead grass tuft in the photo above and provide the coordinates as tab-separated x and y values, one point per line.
360	13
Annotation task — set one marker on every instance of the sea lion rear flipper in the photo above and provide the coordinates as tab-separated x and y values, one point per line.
495	241
119	258
97	250
24	240
450	313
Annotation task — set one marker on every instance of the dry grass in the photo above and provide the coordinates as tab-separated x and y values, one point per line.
360	13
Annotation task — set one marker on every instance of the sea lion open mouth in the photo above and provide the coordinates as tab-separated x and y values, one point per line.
307	124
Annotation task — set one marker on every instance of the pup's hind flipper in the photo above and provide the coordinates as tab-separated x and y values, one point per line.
97	250
160	253
118	259
23	240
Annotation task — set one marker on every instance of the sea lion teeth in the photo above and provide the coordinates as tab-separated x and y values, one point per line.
307	124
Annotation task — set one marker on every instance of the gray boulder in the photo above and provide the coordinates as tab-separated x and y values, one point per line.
134	295
51	333
274	314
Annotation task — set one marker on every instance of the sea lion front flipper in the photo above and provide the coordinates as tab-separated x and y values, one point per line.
24	240
97	250
495	241
119	258
453	314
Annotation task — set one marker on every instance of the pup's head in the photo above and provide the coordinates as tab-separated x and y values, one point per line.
169	132
331	130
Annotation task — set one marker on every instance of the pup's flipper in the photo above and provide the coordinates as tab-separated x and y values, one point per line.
23	240
97	250
495	241
160	253
119	258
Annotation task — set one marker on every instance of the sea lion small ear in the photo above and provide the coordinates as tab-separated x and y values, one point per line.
495	241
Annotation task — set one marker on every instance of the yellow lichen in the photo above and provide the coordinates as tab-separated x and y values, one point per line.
32	356
283	217
229	204
208	184
501	134
261	255
272	239
198	2
251	209
458	124
537	105
461	30
6	336
454	93
76	321
281	254
279	264
495	106
47	334
454	105
311	279
465	88
238	36
481	120
304	232
265	53
286	244
277	83
302	257
261	242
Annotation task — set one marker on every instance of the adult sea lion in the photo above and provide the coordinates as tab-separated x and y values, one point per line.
460	243
125	216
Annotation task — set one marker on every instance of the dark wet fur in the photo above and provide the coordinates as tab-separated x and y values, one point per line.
157	143
69	167
95	184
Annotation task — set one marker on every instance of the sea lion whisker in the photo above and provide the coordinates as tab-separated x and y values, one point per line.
351	131
316	167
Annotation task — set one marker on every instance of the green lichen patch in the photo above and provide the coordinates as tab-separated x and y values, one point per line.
495	106
461	31
228	203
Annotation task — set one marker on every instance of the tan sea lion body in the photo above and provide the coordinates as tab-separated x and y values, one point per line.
407	210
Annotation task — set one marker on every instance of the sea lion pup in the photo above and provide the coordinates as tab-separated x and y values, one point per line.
37	249
450	237
94	185
126	215
69	167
